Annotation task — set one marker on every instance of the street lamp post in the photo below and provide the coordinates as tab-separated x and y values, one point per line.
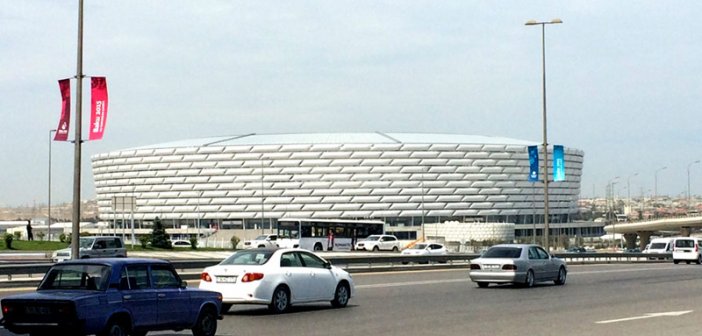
48	219
545	144
655	183
689	199
610	206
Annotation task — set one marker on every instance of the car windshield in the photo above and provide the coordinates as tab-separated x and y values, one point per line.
86	242
372	237
419	246
261	237
86	277
503	252
248	258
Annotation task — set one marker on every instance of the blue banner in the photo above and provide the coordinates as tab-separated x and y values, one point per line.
533	163
558	164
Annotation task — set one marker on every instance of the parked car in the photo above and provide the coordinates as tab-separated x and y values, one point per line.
687	249
424	249
94	247
262	241
277	278
523	264
112	296
181	243
379	242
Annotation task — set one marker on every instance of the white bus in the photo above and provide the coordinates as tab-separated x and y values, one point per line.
325	234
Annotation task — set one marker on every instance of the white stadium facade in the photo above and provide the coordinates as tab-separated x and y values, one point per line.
404	179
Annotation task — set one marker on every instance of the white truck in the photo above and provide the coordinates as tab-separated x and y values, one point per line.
262	241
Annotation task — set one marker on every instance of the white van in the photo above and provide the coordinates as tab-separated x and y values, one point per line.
687	249
660	245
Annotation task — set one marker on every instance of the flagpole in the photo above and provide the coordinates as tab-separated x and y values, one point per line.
75	232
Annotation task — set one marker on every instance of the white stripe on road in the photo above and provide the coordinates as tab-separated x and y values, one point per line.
411	283
646	316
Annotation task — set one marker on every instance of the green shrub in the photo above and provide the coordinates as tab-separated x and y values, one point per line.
18	235
193	243
144	240
235	241
41	235
8	240
62	237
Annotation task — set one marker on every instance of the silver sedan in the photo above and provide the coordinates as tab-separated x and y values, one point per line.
523	264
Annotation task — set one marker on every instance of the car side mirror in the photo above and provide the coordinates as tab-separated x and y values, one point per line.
183	284
327	265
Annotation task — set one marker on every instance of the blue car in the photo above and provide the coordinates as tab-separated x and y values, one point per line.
113	296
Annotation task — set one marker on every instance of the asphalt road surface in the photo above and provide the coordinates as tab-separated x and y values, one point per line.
643	299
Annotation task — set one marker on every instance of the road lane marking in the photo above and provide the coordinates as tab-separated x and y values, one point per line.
647	316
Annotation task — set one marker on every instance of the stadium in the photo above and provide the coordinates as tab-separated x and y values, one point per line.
405	179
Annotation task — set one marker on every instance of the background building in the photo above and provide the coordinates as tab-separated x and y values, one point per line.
249	181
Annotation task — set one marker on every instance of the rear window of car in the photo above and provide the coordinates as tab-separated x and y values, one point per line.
685	243
248	258
657	246
88	277
503	252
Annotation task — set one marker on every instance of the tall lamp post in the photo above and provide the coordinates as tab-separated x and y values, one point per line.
48	220
655	183
689	199
545	144
610	191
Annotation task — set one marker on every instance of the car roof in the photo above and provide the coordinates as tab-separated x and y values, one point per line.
516	245
115	261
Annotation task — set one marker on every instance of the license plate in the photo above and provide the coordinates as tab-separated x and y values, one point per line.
226	279
492	267
37	310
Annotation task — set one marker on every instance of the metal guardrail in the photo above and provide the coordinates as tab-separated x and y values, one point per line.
14	275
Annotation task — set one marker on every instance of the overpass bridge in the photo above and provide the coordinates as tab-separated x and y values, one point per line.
644	229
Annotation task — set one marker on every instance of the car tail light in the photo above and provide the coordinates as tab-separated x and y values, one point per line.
697	248
474	266
509	267
205	277
248	277
6	309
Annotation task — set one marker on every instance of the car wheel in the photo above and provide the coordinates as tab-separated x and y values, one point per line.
699	259
226	307
529	281
261	246
561	279
115	327
676	261
395	249
687	262
341	296
375	248
138	333
405	262
206	324
281	300
483	284
318	247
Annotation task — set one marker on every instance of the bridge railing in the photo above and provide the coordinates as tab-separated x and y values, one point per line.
14	275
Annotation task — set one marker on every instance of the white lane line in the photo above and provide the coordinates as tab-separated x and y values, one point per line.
626	270
647	316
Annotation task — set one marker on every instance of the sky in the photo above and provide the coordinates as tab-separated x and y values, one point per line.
624	79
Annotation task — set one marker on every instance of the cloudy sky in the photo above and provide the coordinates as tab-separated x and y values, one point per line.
624	78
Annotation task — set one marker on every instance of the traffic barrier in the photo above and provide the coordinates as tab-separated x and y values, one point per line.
14	275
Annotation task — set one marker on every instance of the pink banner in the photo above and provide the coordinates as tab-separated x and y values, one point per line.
98	107
65	121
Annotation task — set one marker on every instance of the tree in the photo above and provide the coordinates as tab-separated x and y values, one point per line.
159	238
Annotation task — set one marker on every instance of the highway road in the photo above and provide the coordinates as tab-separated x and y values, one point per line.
615	299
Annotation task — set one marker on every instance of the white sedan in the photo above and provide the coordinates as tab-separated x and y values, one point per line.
277	278
424	249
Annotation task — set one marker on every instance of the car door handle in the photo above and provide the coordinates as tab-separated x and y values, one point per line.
127	297
288	273
161	295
